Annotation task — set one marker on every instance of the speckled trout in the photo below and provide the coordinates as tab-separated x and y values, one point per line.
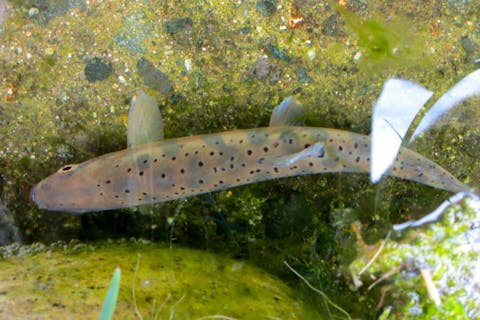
164	170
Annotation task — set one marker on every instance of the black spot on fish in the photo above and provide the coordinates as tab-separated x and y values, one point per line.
116	196
357	159
220	153
182	171
330	140
310	164
307	145
155	160
249	152
355	145
265	149
212	153
232	158
231	166
140	173
275	169
220	181
101	194
276	144
129	169
144	193
117	165
241	141
340	148
163	175
290	141
174	158
200	163
186	154
127	191
200	181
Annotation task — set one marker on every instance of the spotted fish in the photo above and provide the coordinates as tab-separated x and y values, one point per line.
170	169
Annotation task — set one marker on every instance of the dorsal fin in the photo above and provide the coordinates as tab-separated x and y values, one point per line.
289	112
145	122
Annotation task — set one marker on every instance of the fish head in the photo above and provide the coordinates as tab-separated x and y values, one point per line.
66	190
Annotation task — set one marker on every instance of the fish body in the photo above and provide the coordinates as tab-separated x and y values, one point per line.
177	168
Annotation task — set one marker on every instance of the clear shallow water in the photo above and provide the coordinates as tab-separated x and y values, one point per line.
69	70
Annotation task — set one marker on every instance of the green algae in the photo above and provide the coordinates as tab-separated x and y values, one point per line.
70	281
446	250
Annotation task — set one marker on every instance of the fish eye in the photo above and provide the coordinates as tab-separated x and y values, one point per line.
67	168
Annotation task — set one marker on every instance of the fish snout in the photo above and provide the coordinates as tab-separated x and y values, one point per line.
33	194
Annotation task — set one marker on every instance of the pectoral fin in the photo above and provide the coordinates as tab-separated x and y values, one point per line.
145	122
314	151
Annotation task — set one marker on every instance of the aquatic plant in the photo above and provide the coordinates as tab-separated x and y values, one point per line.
397	107
431	272
110	301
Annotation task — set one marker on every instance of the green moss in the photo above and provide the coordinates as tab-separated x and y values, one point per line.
445	250
71	281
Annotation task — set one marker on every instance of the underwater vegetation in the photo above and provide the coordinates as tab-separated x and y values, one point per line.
430	271
70	281
108	306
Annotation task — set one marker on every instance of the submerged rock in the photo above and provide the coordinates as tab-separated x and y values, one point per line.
97	70
71	281
48	9
133	33
266	7
264	69
8	230
176	25
153	77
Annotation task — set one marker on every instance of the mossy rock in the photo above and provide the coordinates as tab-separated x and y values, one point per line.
71	281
